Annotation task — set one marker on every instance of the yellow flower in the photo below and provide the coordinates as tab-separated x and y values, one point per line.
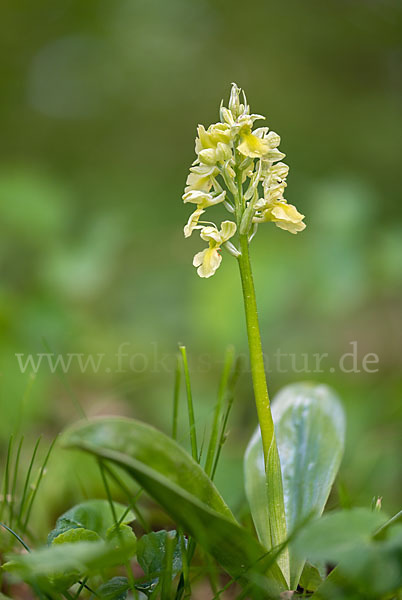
284	215
201	178
256	167
217	133
259	143
203	200
253	146
207	261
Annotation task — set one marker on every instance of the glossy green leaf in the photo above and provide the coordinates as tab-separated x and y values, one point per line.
310	430
114	589
94	515
179	484
151	555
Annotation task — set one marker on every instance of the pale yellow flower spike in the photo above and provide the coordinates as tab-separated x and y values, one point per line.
229	152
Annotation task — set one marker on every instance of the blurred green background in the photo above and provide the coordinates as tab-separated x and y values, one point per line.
99	106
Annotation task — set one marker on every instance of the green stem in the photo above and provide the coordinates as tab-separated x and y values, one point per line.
276	507
255	348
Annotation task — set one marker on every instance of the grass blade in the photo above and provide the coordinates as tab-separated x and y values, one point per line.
190	406
213	442
38	482
176	397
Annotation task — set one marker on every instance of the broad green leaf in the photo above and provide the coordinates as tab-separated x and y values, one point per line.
151	553
121	536
179	484
62	564
152	549
76	535
95	515
337	534
115	589
310	430
66	579
367	568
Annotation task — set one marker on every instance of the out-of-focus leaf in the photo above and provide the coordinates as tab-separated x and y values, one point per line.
367	568
312	577
71	536
76	535
335	535
181	486
151	553
62	564
310	430
94	515
121	536
115	589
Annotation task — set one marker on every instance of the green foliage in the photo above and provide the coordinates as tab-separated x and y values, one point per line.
92	515
115	589
310	429
367	567
16	504
180	485
85	541
64	564
71	536
151	556
312	576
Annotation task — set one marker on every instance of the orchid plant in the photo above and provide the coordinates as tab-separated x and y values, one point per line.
290	462
242	169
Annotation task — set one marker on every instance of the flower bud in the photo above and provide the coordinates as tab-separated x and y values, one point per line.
234	101
247	219
207	156
227	116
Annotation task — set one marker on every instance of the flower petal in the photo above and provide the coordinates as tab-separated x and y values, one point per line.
228	229
192	222
207	262
253	146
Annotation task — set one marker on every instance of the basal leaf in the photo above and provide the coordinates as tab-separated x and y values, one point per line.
60	565
336	534
76	535
94	515
367	567
151	553
310	429
181	486
115	589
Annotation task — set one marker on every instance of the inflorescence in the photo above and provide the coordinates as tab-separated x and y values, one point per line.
242	170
